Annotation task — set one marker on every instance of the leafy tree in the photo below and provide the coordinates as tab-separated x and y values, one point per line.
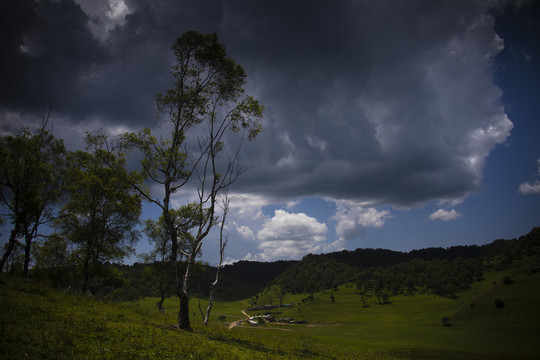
53	260
31	176
206	102
100	215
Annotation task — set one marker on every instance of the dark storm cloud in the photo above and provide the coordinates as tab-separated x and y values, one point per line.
46	48
90	69
384	102
388	102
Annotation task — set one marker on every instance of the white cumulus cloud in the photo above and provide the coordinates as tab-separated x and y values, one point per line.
352	219
245	232
290	236
445	215
531	187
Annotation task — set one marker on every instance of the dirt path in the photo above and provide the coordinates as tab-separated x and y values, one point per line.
236	323
239	324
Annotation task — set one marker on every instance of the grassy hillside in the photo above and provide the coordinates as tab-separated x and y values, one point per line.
40	323
413	324
410	327
497	317
43	323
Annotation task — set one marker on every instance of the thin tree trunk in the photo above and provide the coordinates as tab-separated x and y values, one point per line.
28	244
28	237
160	303
213	287
222	245
183	311
86	272
200	307
10	245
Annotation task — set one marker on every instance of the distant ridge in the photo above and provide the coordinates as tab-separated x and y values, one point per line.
442	271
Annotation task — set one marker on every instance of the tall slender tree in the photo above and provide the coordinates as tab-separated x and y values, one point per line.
206	102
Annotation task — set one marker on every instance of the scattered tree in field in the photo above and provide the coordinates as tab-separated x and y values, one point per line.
31	177
499	304
100	215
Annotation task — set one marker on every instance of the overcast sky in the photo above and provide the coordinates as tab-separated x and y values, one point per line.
388	124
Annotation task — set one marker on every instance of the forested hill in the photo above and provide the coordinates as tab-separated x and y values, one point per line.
441	271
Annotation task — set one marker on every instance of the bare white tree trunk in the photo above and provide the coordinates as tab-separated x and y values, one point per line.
222	245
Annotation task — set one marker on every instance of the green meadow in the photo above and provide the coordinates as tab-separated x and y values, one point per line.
412	325
40	323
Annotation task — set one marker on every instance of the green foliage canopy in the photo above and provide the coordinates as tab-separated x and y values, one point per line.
31	174
101	212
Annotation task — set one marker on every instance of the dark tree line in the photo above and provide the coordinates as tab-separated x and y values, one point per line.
240	280
315	273
439	277
245	279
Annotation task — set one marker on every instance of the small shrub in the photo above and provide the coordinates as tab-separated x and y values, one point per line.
384	299
446	321
499	304
507	280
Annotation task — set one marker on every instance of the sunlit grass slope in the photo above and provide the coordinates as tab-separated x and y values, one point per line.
411	326
40	323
